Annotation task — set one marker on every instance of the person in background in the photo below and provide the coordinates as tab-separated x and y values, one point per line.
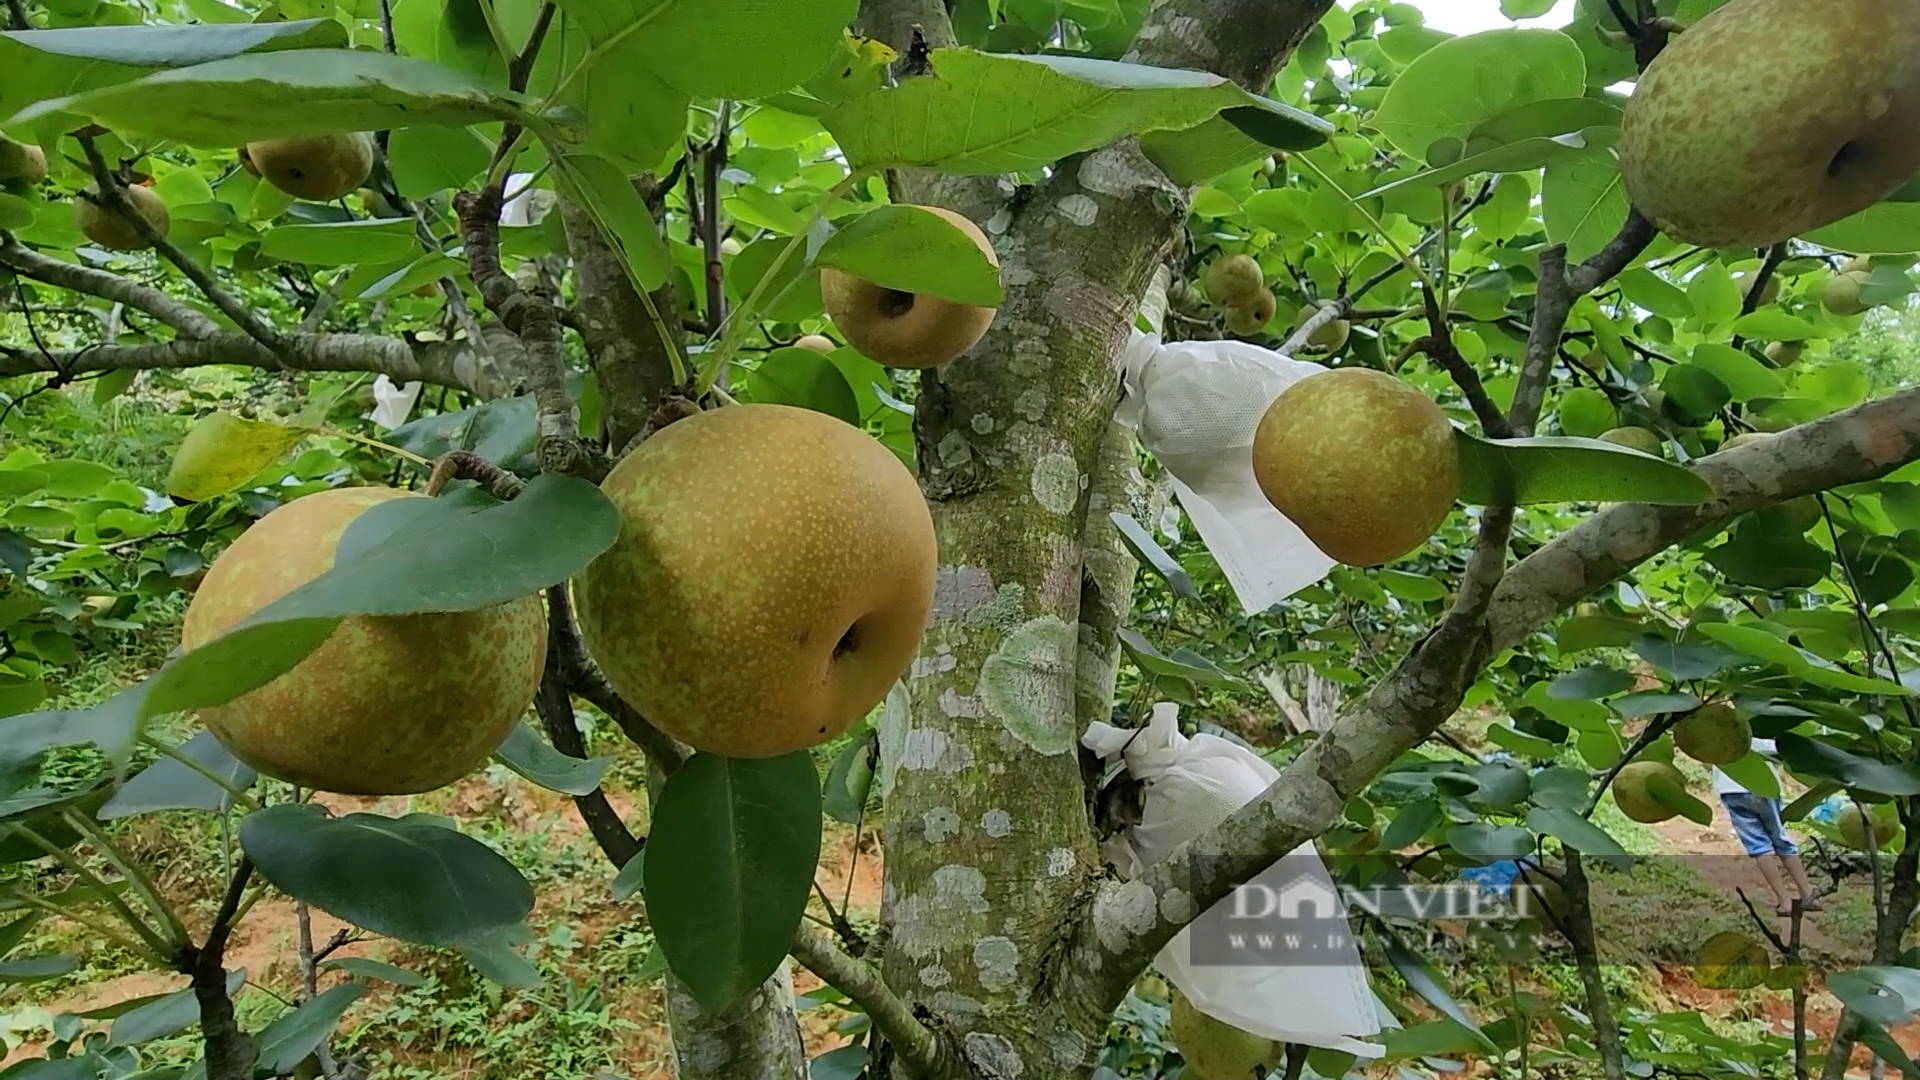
1757	824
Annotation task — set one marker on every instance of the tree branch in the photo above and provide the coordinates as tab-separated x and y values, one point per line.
440	363
584	678
555	706
109	286
1129	923
624	345
1244	40
230	1051
913	1044
110	191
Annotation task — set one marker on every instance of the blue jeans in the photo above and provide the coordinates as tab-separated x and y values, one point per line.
1756	821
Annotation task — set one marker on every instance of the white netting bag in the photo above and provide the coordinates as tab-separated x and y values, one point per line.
1195	405
1316	994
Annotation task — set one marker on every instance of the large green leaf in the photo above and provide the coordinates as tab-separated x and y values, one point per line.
1813	758
338	243
982	114
1555	469
286	1042
1744	377
1582	201
526	753
802	377
293	92
912	249
716	48
40	64
1459	84
222	451
410	878
1887	228
431	158
170	784
729	867
609	197
1580	834
446	555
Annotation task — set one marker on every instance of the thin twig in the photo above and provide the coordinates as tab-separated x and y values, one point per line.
569	656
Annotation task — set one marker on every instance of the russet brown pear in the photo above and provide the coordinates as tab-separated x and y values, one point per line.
1364	464
1767	119
387	705
772	578
313	167
903	329
110	230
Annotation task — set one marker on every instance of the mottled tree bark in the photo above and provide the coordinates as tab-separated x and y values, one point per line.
630	361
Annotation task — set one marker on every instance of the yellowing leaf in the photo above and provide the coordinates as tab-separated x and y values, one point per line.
223	452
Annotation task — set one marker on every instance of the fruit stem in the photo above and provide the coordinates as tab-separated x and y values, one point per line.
732	328
377	445
157	945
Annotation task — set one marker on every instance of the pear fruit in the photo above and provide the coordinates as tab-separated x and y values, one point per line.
246	162
903	329
1254	317
1364	464
1636	800
730	246
1857	264
387	705
1853	825
819	343
1216	1050
315	167
1328	336
772	578
1768	292
1637	438
109	230
23	163
1785	354
1233	281
1841	294
1769	118
1713	734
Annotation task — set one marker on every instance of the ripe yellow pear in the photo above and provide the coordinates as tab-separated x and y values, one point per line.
23	163
1364	464
1631	794
1713	734
819	343
388	705
1637	438
1216	1050
1841	294
772	578
1254	317
315	167
1853	825
1233	281
1770	118
903	329
109	230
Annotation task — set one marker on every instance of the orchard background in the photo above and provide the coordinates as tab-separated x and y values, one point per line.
682	175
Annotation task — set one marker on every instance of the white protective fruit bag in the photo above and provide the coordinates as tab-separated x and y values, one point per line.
1193	784
1195	405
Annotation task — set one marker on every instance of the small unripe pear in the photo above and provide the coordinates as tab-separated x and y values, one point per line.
110	230
730	246
1785	354
1234	281
22	162
1768	292
1713	735
1638	438
1636	801
1841	294
1251	319
819	343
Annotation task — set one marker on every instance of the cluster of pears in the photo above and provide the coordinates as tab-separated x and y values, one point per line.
1770	118
1364	464
387	705
905	329
1841	293
1236	285
1713	734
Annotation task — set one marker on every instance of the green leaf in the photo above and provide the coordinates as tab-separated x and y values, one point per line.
794	293
1522	744
1459	84
717	48
1579	834
287	1041
912	249
1772	324
446	557
1153	662
168	784
1517	157
729	868
1769	562
1715	297
631	876
802	377
292	92
1485	844
1744	377
409	878
1582	202
161	1015
1423	980
1586	413
373	969
1757	643
430	159
526	753
1694	394
1813	758
339	243
1655	293
36	63
1148	550
979	114
1886	228
1583	632
501	431
609	197
30	969
1588	683
1412	822
1682	659
1200	153
850	781
1676	797
222	452
1653	702
1418	588
1548	469
493	955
